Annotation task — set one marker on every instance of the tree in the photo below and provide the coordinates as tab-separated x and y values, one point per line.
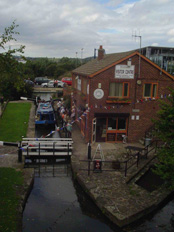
165	132
12	84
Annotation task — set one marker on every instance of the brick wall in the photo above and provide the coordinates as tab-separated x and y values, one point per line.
147	109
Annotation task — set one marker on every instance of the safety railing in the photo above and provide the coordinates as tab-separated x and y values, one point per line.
133	160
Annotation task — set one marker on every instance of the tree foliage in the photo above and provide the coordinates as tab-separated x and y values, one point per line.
165	132
53	68
12	84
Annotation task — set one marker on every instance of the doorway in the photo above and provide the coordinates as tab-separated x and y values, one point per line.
111	128
101	130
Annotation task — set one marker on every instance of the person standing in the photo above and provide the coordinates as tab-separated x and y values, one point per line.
69	129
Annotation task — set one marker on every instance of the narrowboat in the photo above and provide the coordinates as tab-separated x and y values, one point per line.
45	114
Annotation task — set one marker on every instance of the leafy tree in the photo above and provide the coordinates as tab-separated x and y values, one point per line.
51	69
165	132
12	84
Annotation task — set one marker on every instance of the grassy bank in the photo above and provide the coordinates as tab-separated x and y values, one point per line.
14	123
10	184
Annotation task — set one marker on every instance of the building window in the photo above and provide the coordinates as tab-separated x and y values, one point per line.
119	90
84	89
112	123
150	90
79	84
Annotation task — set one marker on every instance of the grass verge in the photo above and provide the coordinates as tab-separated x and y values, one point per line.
10	183
14	123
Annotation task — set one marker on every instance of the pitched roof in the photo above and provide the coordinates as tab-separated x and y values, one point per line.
96	65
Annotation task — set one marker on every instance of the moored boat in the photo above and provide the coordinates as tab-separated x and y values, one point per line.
45	114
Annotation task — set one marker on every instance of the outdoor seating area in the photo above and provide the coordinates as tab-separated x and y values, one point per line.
125	158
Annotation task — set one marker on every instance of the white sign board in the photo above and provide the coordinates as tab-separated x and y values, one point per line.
124	71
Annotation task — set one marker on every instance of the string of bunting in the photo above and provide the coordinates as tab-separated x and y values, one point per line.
119	105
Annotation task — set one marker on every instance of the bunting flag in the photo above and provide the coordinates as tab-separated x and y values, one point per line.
120	105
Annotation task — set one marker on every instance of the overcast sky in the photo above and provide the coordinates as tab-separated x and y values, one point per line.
57	28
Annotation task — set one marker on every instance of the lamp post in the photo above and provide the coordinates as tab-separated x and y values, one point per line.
76	58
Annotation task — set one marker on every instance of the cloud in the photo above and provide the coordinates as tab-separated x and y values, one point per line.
155	44
171	32
57	28
171	40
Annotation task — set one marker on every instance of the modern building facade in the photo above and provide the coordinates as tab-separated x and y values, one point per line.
162	56
117	95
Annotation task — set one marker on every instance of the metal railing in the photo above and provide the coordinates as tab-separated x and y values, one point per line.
153	146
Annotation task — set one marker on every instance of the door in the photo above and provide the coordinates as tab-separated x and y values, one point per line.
93	130
116	128
101	130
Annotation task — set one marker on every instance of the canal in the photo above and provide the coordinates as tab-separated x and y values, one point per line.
57	203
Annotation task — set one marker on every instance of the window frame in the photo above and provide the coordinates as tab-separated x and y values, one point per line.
123	88
151	92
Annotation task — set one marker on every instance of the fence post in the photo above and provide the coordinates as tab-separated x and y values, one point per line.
125	174
89	151
19	152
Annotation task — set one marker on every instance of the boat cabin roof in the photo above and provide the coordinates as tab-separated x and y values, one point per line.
45	108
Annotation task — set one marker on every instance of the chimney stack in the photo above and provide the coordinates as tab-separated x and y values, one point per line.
101	53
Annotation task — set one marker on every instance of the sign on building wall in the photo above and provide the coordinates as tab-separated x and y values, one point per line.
124	71
98	93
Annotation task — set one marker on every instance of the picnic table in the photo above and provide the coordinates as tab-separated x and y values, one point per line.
131	149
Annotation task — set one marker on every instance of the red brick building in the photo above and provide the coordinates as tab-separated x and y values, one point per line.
118	94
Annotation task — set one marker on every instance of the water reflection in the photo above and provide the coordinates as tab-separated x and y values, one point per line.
54	206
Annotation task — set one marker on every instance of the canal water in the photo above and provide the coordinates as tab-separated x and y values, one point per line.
58	204
160	221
